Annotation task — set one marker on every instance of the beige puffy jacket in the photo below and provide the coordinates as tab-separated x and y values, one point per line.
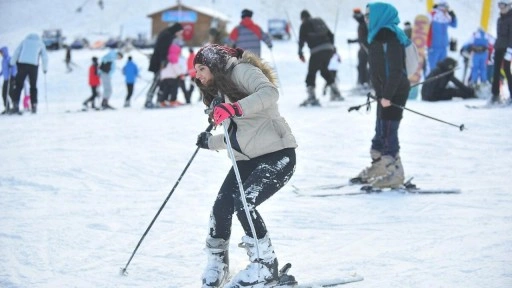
261	129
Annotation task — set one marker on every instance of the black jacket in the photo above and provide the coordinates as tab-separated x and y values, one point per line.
432	90
504	31
163	41
387	70
318	36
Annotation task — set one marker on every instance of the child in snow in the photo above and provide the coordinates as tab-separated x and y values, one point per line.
130	72
9	73
264	150
479	47
333	67
170	77
26	98
94	82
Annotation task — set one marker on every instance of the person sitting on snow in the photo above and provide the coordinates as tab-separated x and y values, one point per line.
437	89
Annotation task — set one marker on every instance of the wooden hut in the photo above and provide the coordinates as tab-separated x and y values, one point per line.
199	23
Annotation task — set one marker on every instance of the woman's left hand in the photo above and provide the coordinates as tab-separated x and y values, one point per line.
224	111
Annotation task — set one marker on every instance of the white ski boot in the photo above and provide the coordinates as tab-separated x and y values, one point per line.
217	270
261	271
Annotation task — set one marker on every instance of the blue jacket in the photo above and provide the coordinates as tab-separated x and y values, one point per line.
111	56
130	72
438	34
7	69
29	51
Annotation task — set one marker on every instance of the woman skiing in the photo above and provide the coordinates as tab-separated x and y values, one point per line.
387	71
264	150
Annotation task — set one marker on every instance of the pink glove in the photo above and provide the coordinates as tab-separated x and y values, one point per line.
224	111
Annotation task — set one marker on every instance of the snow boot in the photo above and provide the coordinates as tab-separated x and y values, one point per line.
126	103
34	108
15	110
378	168
105	105
335	93
217	270
311	100
394	177
261	271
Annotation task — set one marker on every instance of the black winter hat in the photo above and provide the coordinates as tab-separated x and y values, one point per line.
246	13
305	14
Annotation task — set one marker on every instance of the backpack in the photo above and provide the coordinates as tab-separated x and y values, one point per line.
412	59
105	67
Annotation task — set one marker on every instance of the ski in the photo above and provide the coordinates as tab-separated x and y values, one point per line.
288	281
347	190
488	106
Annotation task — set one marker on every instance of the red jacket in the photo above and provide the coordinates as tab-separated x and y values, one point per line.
94	78
190	65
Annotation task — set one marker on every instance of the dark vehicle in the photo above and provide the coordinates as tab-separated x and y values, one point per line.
113	43
53	39
279	29
79	43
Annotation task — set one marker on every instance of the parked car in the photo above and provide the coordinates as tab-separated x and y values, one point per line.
53	39
79	43
279	29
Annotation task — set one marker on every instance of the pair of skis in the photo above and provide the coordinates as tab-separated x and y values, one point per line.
288	281
350	189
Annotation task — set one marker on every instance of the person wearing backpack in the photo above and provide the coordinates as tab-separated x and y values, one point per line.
388	74
320	40
107	69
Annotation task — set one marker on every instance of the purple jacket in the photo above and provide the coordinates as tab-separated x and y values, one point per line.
6	68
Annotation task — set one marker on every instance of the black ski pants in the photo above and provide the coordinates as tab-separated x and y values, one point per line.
363	75
129	89
319	61
8	89
499	58
25	70
262	177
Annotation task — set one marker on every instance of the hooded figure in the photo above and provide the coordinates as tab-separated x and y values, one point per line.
386	52
436	90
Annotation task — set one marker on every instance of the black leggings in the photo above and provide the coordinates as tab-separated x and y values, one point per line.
262	177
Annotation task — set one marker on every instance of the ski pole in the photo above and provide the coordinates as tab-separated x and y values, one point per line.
277	74
123	270
241	187
461	127
45	92
417	84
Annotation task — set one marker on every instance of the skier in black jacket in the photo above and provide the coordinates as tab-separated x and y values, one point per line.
363	75
320	39
437	90
159	58
502	50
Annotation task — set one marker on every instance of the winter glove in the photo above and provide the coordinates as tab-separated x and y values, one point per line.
508	54
202	140
301	57
452	14
224	111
